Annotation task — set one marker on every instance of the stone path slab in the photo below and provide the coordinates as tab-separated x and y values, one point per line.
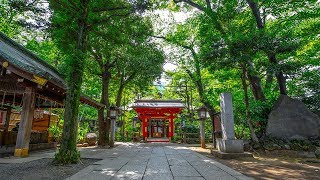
161	161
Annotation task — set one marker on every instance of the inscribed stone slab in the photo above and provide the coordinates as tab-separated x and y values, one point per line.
227	121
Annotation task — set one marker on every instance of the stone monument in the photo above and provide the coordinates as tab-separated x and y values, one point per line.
228	143
291	119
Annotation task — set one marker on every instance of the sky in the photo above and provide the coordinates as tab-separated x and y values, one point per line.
164	20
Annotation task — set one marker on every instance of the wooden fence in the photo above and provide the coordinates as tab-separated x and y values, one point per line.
192	138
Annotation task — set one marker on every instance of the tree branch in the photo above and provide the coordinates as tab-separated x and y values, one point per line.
256	13
191	3
98	58
65	5
130	77
102	9
209	4
177	43
106	20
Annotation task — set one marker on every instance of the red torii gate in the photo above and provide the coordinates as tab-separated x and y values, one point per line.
157	118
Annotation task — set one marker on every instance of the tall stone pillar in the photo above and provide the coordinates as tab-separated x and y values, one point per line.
25	126
228	143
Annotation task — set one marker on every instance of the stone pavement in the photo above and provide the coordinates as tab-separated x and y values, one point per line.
152	162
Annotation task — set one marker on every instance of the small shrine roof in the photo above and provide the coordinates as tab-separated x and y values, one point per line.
158	104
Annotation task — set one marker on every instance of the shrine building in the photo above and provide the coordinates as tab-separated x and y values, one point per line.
157	118
28	86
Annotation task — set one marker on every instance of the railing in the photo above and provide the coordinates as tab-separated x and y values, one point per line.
9	138
192	138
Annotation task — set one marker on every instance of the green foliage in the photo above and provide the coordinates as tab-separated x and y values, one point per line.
260	111
299	145
48	50
227	38
56	131
191	128
270	143
241	131
82	131
8	25
209	48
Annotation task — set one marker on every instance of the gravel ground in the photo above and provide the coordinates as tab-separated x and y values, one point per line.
41	169
271	167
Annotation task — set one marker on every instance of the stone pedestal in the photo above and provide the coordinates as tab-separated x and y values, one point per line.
223	155
228	146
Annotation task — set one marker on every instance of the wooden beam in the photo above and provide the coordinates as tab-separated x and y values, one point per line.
25	126
6	125
27	75
49	119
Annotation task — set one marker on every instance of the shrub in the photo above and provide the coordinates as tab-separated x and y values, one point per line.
56	132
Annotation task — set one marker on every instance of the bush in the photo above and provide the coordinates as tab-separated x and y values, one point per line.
82	131
302	145
176	139
56	132
260	111
190	128
242	131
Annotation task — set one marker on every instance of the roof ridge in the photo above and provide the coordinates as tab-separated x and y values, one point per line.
158	100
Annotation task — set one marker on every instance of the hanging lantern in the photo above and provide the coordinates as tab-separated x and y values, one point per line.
113	111
202	112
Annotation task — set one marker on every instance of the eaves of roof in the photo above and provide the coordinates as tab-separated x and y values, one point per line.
24	59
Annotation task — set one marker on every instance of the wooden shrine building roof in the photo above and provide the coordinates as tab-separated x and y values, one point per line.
158	104
21	68
158	107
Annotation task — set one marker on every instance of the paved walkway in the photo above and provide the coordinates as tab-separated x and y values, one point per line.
154	161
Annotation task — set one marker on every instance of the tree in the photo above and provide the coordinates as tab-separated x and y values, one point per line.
241	35
220	14
127	58
74	38
7	20
140	68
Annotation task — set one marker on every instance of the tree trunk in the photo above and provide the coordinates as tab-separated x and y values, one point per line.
255	84
272	57
256	13
269	79
68	152
188	101
279	75
198	82
102	127
246	101
102	120
281	82
119	93
105	98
